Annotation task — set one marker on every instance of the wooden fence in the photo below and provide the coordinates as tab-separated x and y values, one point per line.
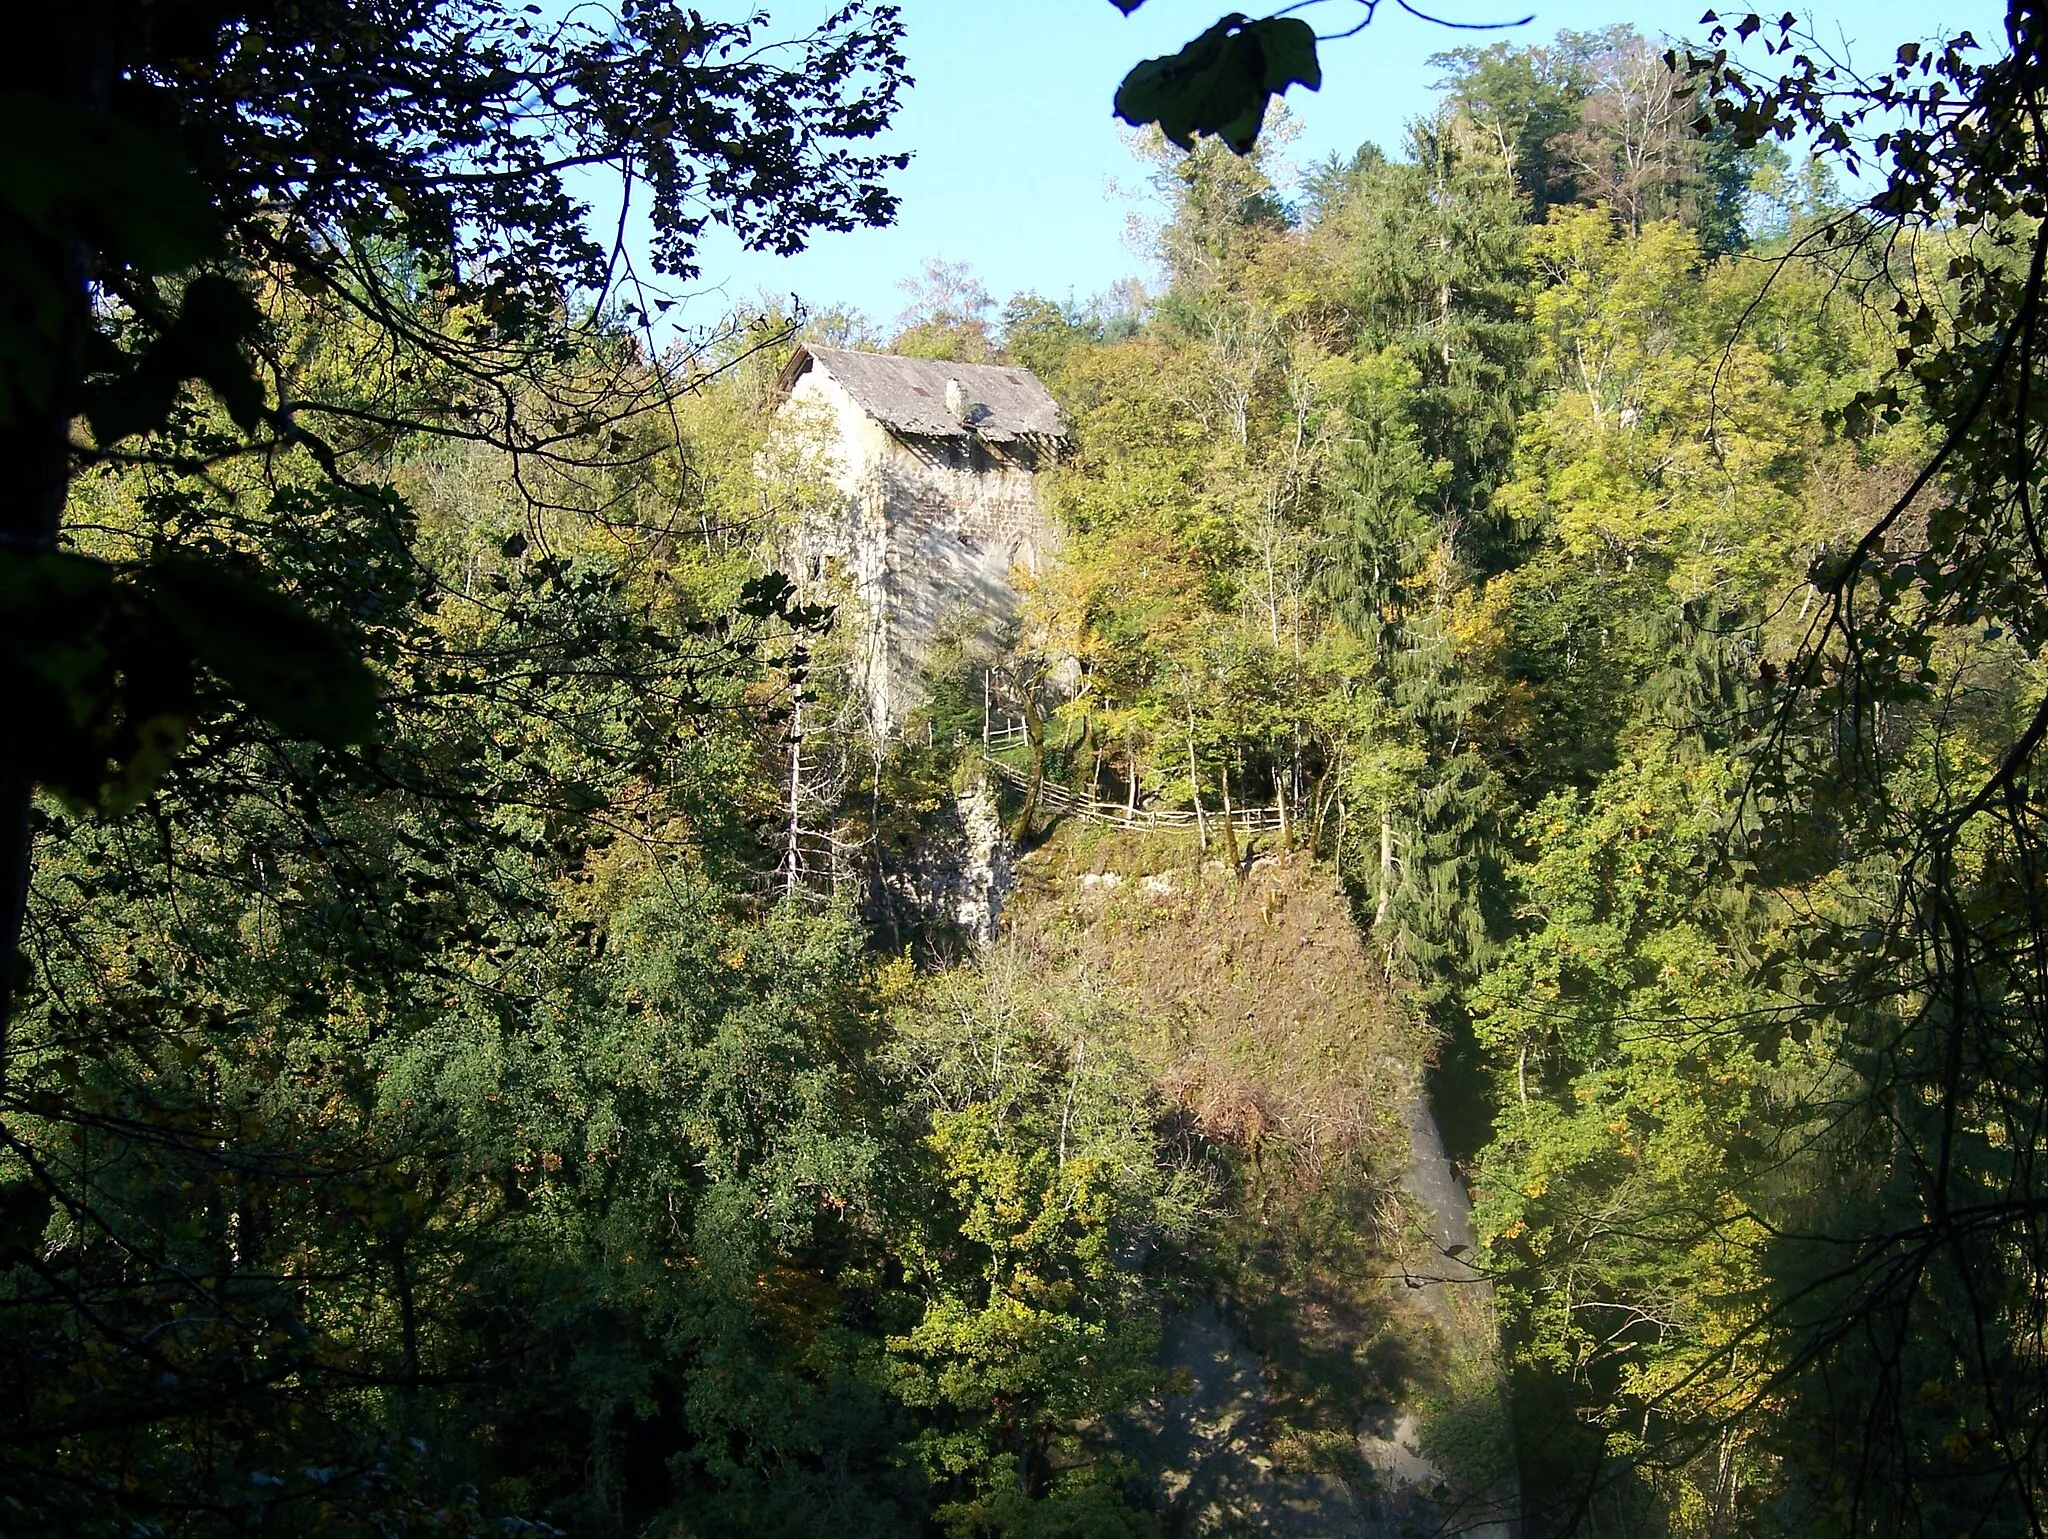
821	865
1250	820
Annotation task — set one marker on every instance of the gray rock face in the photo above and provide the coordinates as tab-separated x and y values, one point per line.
952	884
1206	1448
985	877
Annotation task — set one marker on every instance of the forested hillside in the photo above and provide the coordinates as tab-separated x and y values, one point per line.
439	1096
1466	504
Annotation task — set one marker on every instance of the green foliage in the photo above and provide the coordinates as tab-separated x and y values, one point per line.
168	178
1644	633
430	1109
1529	101
1221	82
947	316
1040	1313
206	339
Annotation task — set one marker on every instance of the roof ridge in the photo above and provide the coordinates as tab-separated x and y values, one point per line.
907	395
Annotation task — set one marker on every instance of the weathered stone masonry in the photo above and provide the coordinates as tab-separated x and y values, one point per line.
938	465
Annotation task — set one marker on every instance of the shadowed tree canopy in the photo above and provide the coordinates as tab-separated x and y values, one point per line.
424	170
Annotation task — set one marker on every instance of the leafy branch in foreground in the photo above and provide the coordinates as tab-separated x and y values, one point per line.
1222	83
171	170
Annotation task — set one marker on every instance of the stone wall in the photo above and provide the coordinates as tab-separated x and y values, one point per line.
942	892
928	536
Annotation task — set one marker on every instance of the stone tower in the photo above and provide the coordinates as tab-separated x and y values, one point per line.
937	465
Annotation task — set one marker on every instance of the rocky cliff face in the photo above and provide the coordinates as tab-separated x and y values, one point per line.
948	888
986	875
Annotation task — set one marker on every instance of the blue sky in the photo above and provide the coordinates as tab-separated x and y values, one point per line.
1015	149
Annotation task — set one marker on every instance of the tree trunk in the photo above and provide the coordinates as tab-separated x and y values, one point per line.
1195	785
1034	733
606	1494
1280	778
408	1316
1385	911
64	51
793	855
1294	779
16	794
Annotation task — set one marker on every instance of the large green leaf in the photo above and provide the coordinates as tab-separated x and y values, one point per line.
206	340
1221	82
291	669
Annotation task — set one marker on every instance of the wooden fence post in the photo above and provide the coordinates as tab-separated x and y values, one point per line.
1230	830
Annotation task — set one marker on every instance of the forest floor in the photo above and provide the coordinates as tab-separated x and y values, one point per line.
1334	1371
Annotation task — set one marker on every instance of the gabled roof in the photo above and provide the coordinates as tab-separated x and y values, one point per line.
997	402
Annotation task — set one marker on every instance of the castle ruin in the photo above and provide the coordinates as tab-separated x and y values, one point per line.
937	464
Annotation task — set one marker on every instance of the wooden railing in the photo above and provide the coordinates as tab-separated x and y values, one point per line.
1122	814
822	867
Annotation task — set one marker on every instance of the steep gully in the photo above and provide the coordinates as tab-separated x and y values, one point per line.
1206	1445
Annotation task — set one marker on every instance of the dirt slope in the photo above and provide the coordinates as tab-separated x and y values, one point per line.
1338	1379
